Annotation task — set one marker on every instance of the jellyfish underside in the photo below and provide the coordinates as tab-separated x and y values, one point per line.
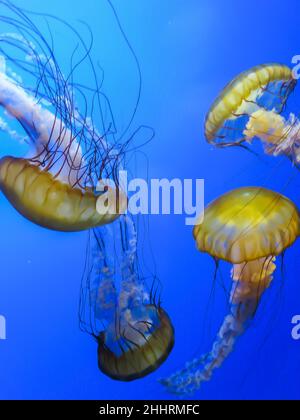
56	186
251	107
139	347
134	333
249	228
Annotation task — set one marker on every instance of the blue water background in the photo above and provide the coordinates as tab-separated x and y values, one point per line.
188	50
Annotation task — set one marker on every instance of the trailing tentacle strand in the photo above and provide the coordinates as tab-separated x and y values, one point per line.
250	280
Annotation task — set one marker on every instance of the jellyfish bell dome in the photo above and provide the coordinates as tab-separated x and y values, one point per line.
138	346
53	203
251	107
248	227
266	86
55	184
247	224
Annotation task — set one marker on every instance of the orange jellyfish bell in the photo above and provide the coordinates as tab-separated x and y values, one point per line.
248	227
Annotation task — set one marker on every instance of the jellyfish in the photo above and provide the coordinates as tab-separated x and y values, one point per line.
134	333
69	181
251	107
249	228
58	183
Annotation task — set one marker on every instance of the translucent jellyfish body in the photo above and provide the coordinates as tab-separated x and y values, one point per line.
133	332
55	185
251	106
248	227
140	348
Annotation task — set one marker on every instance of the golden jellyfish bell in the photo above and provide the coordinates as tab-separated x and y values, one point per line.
141	349
54	204
258	93
247	224
247	227
55	185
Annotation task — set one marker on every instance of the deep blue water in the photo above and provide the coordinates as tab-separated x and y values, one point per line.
188	50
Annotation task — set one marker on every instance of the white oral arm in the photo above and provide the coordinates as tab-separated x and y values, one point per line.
46	131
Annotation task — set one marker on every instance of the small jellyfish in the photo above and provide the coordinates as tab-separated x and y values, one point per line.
133	332
251	107
56	184
248	227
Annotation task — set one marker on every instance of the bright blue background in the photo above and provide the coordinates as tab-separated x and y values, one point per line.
188	50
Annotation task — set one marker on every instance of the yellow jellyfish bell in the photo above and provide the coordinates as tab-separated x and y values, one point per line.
248	227
55	185
144	351
250	106
54	204
247	224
